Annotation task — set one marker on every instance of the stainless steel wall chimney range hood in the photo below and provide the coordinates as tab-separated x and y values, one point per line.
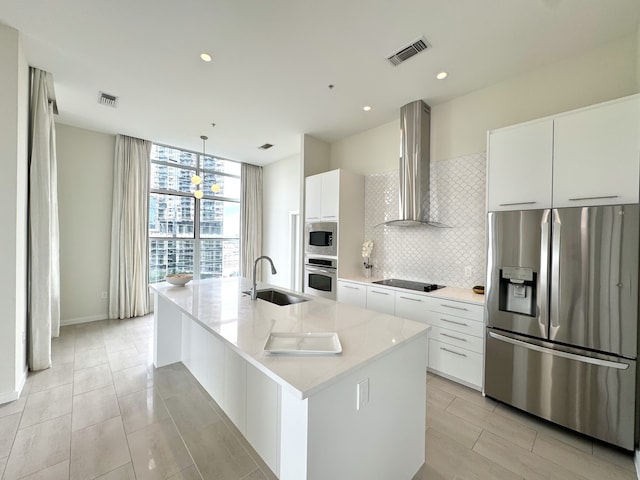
415	123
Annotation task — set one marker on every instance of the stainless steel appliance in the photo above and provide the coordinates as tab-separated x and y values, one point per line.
562	317
409	285
321	238
321	277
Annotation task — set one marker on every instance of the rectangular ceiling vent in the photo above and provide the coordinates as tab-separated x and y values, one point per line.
266	146
405	53
108	100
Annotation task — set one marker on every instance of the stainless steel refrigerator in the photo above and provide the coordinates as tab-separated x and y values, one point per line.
562	317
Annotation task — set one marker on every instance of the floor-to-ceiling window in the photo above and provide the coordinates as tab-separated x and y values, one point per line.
187	234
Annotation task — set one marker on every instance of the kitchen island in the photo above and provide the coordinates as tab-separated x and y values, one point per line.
355	415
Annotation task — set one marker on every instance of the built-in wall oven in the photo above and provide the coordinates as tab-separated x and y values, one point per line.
320	277
321	238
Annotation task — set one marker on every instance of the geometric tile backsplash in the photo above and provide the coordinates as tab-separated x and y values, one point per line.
428	254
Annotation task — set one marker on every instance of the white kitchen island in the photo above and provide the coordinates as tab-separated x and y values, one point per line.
356	415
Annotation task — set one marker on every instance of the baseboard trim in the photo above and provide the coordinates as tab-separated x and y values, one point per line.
23	379
91	318
15	395
637	462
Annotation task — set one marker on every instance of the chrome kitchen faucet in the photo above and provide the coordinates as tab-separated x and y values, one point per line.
254	289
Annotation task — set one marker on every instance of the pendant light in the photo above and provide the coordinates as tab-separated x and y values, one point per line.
197	179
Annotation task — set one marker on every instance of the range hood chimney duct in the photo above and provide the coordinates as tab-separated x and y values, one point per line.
415	125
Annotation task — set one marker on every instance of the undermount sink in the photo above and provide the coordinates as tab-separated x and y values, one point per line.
278	297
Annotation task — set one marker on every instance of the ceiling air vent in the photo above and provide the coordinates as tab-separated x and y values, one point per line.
266	146
108	100
405	53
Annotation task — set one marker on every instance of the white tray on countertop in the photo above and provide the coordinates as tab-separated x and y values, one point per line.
313	343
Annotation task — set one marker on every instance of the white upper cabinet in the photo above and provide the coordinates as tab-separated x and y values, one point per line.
585	157
322	194
313	193
519	167
330	196
596	156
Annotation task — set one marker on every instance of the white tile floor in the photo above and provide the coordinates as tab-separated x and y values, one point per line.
104	412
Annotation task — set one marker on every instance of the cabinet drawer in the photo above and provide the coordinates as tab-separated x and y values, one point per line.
380	300
459	309
352	293
458	324
456	362
462	340
412	307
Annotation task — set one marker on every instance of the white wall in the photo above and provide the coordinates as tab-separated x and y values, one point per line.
373	151
638	60
459	127
22	244
281	195
85	182
13	235
315	155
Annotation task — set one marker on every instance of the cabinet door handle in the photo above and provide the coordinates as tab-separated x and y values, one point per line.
379	293
329	216
516	203
454	337
451	351
593	198
412	299
455	323
455	308
350	287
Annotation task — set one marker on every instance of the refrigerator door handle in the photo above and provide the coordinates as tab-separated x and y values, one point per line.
545	232
554	311
560	353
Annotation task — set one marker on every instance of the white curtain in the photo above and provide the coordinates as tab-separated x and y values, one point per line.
128	279
250	217
44	261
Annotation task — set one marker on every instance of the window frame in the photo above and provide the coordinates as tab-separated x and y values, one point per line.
197	170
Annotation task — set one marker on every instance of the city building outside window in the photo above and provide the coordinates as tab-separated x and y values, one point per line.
189	235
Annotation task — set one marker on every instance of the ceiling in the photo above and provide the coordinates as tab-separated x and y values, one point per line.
273	61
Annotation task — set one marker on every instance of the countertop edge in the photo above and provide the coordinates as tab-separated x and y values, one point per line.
299	394
458	294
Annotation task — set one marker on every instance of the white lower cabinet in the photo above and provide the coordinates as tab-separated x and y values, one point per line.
203	355
456	348
380	300
249	398
455	362
263	416
235	389
457	339
352	293
456	345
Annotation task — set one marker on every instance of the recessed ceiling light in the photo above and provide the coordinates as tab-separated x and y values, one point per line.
366	108
442	75
205	57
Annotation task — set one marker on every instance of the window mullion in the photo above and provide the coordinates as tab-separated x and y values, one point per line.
196	232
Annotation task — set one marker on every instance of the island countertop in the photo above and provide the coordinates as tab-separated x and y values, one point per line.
220	306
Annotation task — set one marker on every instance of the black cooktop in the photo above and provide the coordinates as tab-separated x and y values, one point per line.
410	285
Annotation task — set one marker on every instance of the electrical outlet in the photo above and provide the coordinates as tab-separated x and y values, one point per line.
467	272
362	394
105	295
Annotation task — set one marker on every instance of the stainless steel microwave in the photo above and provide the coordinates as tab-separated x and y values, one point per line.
321	238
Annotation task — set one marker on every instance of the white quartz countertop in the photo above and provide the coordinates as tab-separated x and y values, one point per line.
451	293
220	306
